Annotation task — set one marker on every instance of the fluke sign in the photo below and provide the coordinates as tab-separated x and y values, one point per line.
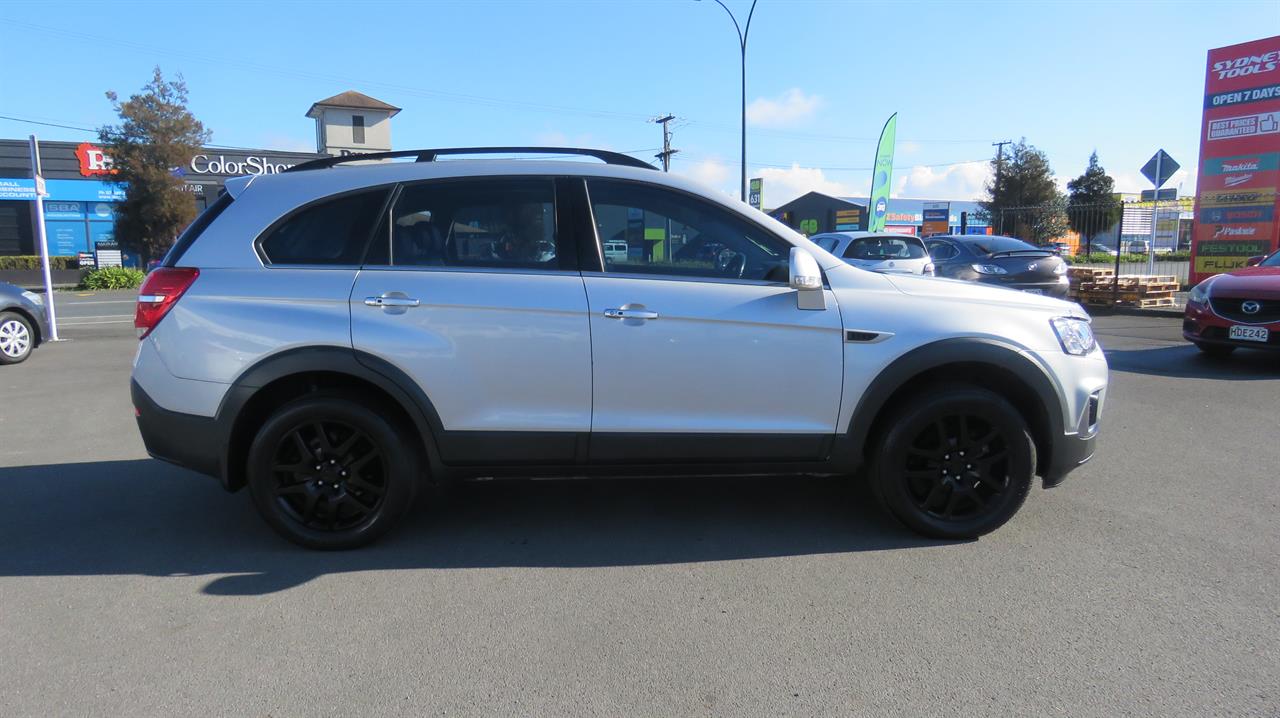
1237	202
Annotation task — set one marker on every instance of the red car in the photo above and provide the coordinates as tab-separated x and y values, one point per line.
1236	309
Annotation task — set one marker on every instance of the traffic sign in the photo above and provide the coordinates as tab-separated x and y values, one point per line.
1159	168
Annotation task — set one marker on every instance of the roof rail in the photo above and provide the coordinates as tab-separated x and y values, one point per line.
612	158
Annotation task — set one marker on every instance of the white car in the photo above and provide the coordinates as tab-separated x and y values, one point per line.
878	251
338	336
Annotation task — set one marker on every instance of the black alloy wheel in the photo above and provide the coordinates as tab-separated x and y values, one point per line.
956	462
329	475
330	472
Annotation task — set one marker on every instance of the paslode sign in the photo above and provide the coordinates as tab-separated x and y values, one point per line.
1237	201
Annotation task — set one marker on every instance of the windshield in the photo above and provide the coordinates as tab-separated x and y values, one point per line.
1272	261
885	248
994	245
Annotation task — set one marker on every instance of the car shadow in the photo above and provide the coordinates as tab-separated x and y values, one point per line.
1187	362
144	517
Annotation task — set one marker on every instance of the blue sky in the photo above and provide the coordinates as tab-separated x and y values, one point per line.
1125	78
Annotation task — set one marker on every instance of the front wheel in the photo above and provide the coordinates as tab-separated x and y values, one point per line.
16	338
331	472
1215	350
954	463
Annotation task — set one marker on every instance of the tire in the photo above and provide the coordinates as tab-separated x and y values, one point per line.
947	432
17	339
1215	350
366	479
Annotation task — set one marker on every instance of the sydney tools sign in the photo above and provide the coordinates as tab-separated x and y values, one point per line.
1236	205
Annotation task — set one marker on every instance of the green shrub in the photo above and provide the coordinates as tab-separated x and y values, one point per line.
112	278
1104	258
28	261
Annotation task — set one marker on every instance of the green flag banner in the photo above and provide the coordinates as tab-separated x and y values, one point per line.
882	175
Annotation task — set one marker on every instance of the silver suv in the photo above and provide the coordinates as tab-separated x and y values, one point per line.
338	337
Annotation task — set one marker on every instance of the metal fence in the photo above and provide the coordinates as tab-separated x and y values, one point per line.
1132	238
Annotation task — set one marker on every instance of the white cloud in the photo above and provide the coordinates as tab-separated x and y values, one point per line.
783	185
960	182
789	108
710	171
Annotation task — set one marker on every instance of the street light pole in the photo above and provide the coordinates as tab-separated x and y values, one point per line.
743	32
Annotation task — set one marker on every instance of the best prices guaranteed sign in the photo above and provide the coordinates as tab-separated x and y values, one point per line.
1236	202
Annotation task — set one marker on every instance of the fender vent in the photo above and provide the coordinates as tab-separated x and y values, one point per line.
857	336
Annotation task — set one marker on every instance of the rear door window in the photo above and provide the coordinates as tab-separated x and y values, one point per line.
331	232
498	223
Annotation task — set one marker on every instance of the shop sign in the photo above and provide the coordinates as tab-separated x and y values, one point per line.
94	162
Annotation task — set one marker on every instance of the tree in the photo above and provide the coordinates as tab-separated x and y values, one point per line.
1093	206
156	135
1022	199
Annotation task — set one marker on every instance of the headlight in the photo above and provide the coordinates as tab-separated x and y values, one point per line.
1074	334
989	269
32	296
1061	269
1200	293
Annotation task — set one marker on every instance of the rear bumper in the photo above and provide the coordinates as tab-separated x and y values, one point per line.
192	442
1050	287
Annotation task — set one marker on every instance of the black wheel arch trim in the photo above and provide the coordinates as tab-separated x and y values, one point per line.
961	350
323	359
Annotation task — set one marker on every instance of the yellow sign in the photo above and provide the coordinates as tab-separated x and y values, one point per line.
1238	197
1215	265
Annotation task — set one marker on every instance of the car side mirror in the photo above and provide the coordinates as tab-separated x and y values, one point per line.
805	276
1254	261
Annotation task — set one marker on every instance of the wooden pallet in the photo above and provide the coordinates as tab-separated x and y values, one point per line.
1090	272
1161	302
1105	286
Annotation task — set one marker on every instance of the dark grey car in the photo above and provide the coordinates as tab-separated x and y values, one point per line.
22	323
1003	261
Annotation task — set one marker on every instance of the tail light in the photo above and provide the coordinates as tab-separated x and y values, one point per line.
159	293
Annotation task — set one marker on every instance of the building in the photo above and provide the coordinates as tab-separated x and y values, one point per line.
815	213
352	123
79	208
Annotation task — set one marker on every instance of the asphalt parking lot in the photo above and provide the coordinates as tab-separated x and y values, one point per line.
1146	585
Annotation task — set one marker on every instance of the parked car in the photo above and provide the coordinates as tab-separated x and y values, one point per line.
23	325
878	251
1004	261
304	341
1239	309
1138	246
1059	248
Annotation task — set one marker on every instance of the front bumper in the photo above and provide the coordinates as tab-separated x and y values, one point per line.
192	442
1200	325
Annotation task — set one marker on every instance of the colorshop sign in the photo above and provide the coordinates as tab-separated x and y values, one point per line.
1237	201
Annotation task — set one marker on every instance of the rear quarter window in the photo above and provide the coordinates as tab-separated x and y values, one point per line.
330	232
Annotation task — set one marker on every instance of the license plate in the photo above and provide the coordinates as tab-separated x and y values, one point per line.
1034	291
1249	334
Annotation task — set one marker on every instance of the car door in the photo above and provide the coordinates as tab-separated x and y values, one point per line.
469	290
699	350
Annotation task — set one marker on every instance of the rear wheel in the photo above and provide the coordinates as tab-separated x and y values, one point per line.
1215	350
330	472
954	463
16	338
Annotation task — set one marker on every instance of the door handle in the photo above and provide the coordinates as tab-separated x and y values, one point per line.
391	301
625	313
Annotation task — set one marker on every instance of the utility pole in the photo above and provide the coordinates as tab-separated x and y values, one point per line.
743	32
999	167
665	154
